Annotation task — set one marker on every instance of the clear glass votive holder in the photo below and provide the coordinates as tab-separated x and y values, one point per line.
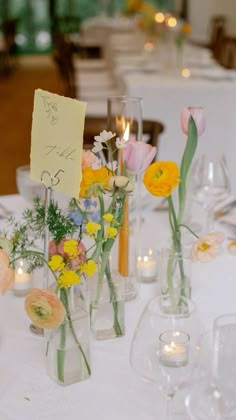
147	265
23	281
174	348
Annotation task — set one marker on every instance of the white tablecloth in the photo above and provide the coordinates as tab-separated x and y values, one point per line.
166	94
113	391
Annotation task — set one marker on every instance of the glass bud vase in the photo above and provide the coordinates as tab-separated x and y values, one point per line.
175	278
107	301
68	346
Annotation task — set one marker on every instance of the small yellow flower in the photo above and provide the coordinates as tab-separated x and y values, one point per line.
71	248
68	278
108	217
111	232
92	228
56	263
160	178
89	268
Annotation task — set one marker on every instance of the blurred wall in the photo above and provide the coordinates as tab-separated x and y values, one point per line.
201	11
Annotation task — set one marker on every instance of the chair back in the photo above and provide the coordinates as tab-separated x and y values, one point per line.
63	57
94	125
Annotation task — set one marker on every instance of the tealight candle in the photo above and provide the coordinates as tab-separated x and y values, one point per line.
22	279
174	347
147	265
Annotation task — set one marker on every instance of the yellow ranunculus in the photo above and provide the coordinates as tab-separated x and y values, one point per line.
56	262
68	278
71	248
160	178
94	179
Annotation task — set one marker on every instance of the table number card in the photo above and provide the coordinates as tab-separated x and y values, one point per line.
57	140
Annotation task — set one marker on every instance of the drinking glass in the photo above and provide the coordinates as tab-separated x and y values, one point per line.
213	393
163	347
208	184
125	119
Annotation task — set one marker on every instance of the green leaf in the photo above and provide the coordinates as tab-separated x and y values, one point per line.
187	158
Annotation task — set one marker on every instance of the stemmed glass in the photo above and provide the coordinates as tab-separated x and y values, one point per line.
209	184
163	347
213	394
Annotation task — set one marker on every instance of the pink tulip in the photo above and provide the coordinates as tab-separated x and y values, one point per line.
138	155
198	116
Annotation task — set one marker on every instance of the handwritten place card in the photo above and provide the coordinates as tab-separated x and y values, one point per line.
57	141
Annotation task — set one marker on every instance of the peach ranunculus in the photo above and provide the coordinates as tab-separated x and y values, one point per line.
207	247
44	308
199	118
160	178
138	155
7	274
88	159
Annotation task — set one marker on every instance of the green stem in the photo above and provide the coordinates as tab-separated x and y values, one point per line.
61	352
190	230
37	254
114	302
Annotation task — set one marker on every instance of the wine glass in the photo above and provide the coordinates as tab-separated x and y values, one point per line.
213	394
208	184
163	347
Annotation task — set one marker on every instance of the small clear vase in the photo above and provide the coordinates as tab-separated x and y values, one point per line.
68	346
175	279
107	302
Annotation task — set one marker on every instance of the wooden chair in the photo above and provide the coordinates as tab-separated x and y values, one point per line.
63	58
94	125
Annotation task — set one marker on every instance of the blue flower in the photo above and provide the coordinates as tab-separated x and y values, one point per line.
77	217
88	203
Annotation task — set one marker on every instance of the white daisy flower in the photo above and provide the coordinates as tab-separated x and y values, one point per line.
97	147
121	143
112	166
104	136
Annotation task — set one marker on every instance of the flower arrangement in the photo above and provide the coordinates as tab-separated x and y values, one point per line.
49	308
100	209
161	179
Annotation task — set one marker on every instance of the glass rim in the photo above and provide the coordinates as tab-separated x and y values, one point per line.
221	317
184	334
124	98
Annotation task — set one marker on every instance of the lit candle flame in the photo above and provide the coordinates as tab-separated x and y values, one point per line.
126	133
20	271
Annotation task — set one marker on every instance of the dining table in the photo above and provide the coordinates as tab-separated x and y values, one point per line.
166	88
113	391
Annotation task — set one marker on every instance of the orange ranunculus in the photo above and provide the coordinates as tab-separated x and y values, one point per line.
7	274
94	179
44	308
161	178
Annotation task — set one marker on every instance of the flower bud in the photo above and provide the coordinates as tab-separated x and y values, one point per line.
198	116
122	182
